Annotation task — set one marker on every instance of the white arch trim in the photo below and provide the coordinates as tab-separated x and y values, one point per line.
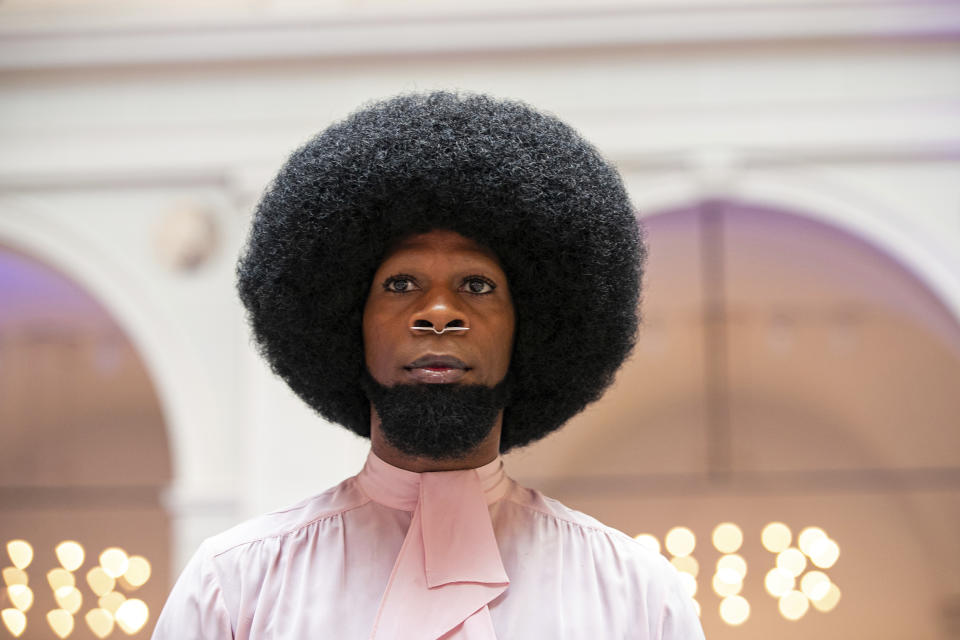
187	411
883	226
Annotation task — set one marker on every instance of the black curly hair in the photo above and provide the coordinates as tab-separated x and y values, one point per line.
519	181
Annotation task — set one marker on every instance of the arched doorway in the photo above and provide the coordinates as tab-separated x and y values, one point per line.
787	371
85	457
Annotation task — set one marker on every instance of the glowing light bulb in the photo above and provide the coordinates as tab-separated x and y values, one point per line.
21	596
70	554
779	582
60	578
132	615
776	537
792	561
686	564
680	541
111	601
69	598
815	585
14	621
793	605
20	552
808	537
733	562
114	561
728	576
734	610
825	553
61	622
100	622
138	571
648	541
828	601
100	581
12	576
727	583
727	537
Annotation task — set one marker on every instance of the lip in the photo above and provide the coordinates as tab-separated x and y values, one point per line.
437	362
437	369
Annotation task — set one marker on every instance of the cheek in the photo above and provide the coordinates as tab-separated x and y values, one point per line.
506	336
375	344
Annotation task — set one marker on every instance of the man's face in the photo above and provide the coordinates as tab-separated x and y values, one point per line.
438	396
441	280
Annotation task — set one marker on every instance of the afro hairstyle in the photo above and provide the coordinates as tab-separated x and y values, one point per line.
518	181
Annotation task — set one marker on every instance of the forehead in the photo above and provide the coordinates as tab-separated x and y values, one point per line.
439	243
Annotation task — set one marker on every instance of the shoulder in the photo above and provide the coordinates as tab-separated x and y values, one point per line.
207	600
545	532
566	518
613	551
289	521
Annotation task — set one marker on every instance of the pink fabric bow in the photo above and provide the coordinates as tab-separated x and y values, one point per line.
449	567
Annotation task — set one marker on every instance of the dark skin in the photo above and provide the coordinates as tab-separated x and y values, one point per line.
438	280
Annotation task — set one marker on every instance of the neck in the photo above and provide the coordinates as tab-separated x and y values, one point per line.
487	451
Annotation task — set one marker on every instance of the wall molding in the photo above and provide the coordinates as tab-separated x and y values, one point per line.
241	34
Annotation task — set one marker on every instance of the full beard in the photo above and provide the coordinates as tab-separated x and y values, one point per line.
437	421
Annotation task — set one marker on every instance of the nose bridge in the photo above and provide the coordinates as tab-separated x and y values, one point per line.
440	307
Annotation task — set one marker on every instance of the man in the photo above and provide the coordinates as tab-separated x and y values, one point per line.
451	276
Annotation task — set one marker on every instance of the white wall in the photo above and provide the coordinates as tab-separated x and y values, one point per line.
847	111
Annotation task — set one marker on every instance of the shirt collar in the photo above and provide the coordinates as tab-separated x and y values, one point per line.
400	489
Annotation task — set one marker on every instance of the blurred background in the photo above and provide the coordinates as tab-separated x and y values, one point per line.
787	430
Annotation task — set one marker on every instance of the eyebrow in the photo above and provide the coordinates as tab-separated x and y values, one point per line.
480	262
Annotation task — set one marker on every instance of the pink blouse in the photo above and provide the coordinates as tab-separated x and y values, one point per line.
393	554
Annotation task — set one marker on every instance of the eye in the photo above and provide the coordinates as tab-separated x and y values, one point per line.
399	284
478	285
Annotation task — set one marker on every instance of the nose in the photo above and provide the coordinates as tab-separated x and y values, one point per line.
440	311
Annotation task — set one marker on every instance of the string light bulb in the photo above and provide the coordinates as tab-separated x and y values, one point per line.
132	615
792	561
727	537
100	622
686	564
815	585
69	598
70	554
829	601
114	561
779	582
680	541
824	553
734	610
21	596
776	537
100	581
61	621
793	605
58	578
15	621
20	553
808	538
138	571
12	576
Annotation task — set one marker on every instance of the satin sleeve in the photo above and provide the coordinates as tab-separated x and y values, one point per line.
195	609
